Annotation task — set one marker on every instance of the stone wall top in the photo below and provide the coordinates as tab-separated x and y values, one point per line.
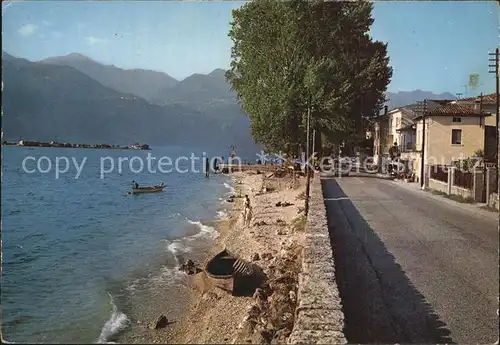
319	318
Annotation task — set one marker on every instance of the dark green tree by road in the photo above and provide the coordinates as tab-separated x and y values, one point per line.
294	55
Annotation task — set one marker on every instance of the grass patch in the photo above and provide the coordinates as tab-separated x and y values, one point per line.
457	198
489	208
438	192
299	223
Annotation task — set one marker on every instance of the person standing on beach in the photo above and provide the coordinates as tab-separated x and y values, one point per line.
247	211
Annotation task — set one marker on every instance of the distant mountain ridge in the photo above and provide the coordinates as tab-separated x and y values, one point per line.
139	82
198	91
403	98
50	102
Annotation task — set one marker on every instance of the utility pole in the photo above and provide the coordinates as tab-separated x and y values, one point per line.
379	143
422	150
307	157
314	141
495	70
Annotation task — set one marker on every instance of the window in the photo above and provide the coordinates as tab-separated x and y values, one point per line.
457	119
398	122
456	136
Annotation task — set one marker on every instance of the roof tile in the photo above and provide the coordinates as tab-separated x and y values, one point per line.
454	109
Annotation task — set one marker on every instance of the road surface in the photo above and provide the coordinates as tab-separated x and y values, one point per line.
411	269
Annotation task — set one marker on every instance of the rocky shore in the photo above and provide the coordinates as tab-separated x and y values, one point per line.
272	242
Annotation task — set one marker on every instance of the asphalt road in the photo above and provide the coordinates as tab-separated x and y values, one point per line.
411	269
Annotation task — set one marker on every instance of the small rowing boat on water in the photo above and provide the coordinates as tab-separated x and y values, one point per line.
233	275
153	189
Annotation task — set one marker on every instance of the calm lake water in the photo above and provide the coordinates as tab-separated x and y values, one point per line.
72	248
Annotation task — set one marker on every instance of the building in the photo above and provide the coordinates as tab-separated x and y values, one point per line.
388	129
487	104
452	131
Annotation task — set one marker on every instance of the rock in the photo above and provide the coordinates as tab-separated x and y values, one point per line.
260	298
255	257
253	312
281	231
259	294
267	256
190	268
161	322
286	317
261	337
210	296
247	329
293	296
281	336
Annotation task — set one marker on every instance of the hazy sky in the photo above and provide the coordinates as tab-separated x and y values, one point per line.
433	46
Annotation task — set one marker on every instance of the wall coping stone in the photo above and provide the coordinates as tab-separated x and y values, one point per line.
319	318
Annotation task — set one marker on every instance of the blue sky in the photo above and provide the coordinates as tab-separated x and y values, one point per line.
433	46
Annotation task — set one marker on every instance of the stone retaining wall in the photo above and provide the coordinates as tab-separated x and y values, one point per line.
318	318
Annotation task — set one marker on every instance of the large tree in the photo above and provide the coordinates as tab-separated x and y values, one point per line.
288	57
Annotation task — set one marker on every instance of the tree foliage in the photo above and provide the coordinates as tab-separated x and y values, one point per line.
288	57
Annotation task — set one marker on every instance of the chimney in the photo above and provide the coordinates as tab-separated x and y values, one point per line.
478	104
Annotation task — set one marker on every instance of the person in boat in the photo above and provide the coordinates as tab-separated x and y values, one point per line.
135	185
247	211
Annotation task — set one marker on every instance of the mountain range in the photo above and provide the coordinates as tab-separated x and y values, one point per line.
55	99
74	98
402	98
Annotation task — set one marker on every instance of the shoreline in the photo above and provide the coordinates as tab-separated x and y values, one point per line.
52	144
175	300
214	316
200	313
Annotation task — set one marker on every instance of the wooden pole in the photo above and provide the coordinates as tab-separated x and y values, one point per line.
307	158
496	60
422	154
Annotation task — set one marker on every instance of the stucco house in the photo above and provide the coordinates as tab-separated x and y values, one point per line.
388	129
487	103
452	131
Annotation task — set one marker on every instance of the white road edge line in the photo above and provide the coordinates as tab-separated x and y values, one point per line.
335	199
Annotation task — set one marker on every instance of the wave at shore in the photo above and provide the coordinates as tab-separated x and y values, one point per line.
222	215
181	246
116	323
205	230
231	188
